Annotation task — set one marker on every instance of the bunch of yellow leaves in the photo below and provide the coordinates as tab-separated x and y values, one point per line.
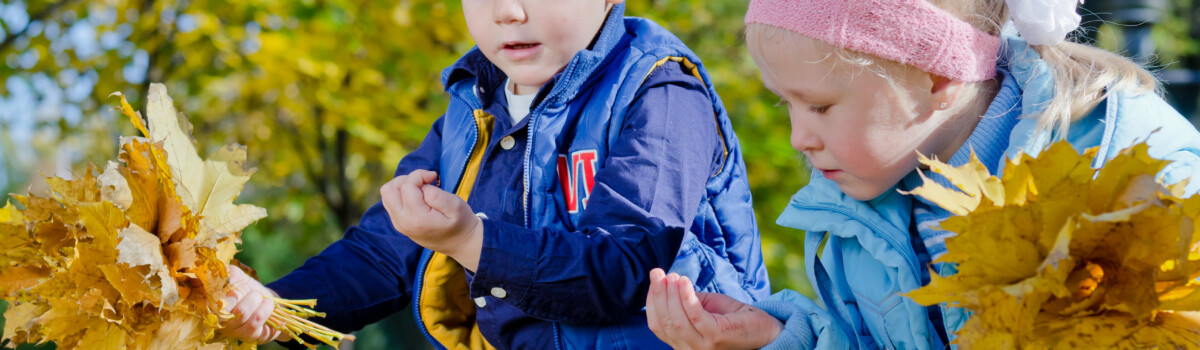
1055	254
137	255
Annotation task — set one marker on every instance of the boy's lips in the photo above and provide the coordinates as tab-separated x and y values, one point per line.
517	50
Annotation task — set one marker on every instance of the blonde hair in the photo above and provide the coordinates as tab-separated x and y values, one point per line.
1083	75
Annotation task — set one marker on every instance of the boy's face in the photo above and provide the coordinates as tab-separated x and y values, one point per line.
532	40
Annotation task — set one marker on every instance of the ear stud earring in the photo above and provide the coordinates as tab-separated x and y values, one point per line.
943	106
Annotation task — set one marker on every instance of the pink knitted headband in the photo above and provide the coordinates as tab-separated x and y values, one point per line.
911	32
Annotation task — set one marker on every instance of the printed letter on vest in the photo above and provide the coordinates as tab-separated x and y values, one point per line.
582	166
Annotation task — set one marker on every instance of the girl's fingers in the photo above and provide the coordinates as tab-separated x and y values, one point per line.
680	324
700	319
716	303
655	303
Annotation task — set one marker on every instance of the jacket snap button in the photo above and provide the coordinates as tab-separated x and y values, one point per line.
480	302
499	293
507	142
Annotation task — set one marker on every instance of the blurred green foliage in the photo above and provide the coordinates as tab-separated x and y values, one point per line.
328	95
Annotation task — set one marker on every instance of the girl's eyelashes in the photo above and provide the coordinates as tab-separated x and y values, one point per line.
818	109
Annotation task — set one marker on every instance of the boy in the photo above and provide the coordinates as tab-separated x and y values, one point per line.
580	150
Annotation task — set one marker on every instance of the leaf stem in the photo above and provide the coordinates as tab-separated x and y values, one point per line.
291	318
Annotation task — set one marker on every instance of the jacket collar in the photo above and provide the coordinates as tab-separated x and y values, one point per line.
474	69
880	225
1032	74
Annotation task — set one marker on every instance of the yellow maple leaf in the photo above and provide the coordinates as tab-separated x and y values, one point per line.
209	186
9	214
1055	254
20	316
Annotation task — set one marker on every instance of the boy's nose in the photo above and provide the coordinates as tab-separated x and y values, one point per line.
508	11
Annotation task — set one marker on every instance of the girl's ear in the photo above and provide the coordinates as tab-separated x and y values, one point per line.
945	91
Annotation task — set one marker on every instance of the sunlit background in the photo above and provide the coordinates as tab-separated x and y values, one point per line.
330	95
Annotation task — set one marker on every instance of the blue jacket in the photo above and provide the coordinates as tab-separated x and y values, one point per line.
868	261
602	192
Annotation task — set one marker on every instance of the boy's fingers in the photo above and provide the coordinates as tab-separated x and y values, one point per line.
389	194
413	198
256	326
231	299
263	312
426	176
243	311
264	335
440	200
418	178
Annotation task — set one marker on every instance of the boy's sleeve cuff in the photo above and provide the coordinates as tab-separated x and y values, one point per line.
507	262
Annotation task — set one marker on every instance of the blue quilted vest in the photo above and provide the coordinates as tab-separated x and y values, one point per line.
585	110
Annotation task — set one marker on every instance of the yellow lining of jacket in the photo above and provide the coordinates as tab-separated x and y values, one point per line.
445	304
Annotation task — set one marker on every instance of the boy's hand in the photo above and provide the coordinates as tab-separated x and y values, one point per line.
687	320
251	304
433	218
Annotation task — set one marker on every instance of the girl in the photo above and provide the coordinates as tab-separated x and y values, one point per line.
869	85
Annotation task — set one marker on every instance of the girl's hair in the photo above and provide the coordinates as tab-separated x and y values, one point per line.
1083	75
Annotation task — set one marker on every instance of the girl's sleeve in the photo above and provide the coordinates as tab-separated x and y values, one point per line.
805	324
368	274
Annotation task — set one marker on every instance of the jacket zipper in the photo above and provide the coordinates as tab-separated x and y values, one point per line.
527	163
425	256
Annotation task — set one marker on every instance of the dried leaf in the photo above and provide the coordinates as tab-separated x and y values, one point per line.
114	188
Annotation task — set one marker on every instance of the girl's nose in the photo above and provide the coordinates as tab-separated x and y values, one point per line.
508	12
804	139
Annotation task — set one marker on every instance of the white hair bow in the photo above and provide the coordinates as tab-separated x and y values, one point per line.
1044	22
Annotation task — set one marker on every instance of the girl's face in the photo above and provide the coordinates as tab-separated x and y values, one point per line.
850	123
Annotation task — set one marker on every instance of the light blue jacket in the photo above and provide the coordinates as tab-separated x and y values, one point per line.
868	262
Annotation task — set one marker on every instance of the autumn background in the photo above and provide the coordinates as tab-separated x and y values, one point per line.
330	94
